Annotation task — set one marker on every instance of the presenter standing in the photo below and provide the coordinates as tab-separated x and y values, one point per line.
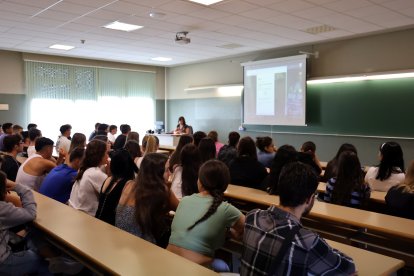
182	127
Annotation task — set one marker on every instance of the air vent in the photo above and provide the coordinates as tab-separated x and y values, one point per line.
320	29
230	46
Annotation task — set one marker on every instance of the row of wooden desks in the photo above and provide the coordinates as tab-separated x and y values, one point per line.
104	248
376	196
108	250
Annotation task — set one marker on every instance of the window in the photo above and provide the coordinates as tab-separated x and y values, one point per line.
81	96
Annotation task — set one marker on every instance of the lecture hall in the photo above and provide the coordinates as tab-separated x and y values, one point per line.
136	135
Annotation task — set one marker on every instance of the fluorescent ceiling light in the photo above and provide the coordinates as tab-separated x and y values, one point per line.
61	47
206	2
122	26
363	78
161	58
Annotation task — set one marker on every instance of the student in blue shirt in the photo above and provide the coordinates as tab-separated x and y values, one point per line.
58	183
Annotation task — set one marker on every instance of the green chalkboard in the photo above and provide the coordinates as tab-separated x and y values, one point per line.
368	108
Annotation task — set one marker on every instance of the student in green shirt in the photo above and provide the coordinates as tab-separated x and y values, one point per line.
202	220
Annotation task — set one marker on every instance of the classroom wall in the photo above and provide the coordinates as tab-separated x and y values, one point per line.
12	81
205	111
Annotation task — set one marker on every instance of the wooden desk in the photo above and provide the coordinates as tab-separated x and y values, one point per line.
369	263
376	196
105	248
170	140
391	225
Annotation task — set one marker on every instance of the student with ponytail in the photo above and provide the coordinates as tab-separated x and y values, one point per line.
201	220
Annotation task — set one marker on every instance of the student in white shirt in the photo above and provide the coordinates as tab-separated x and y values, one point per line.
85	190
390	171
113	129
34	133
63	141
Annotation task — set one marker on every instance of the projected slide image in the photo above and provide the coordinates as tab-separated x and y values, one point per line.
265	97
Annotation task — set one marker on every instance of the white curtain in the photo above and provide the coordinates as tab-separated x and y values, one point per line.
82	96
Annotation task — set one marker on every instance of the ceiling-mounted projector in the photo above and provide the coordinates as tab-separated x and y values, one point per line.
181	38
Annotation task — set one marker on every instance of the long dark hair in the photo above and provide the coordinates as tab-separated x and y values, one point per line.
133	148
207	149
151	195
175	157
392	160
263	142
190	162
122	166
78	141
94	153
214	177
3	181
246	147
284	155
349	178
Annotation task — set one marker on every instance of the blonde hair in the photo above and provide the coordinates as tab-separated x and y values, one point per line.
151	145
409	178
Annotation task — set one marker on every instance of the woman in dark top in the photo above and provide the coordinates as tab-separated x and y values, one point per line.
400	198
175	156
245	170
332	166
348	187
207	149
122	170
284	155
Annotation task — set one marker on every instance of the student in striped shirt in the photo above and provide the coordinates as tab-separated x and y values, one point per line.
348	188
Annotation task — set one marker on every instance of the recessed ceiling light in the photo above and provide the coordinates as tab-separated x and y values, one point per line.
122	26
161	59
61	47
206	2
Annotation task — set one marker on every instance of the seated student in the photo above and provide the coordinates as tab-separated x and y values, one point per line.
59	181
390	171
133	148
145	202
400	198
175	156
122	169
33	171
213	135
113	129
266	152
275	242
132	136
310	148
26	142
229	152
121	139
78	141
85	191
245	170
34	133
284	155
202	220
348	187
12	146
63	141
150	144
197	136
332	166
94	133
17	129
31	126
207	149
7	130
184	178
22	262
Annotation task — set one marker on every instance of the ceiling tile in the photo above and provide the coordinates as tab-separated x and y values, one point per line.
342	6
290	6
234	6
